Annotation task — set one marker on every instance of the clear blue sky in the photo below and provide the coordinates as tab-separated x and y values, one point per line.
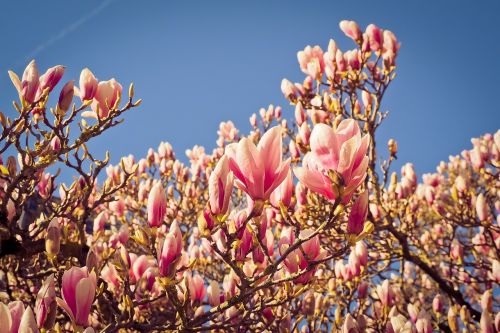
196	63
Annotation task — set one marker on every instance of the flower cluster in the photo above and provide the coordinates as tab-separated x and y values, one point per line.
299	225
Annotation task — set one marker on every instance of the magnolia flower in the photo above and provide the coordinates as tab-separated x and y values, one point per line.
375	37
66	96
10	316
299	259
30	82
482	210
350	325
385	293
78	290
220	185
157	205
351	29
196	288
50	79
46	306
88	85
107	95
358	214
258	170
283	193
311	61
171	250
337	163
28	322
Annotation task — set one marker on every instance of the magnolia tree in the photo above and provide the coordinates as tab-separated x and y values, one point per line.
299	226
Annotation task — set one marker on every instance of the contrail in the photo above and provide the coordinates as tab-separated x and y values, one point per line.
64	32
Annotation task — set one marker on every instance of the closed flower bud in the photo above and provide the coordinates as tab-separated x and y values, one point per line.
437	303
393	147
30	82
220	185
213	293
53	240
66	97
351	29
375	37
482	209
46	307
88	85
358	213
283	193
50	79
300	115
78	291
157	205
55	143
486	324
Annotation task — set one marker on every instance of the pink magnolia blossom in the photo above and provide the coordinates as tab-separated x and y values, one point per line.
283	193
107	95
196	288
299	258
28	322
351	29
342	150
157	205
30	82
110	275
55	143
78	290
10	316
88	85
66	96
358	214
385	293
220	185
375	37
350	325
171	250
100	221
50	79
46	306
258	170
311	61
482	209
437	303
213	293
289	89
138	266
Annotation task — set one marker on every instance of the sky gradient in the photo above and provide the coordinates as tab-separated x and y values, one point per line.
197	63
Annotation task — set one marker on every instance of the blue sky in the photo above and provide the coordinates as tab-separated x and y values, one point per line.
196	63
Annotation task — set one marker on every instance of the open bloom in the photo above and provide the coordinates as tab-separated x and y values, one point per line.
258	170
78	290
311	61
335	152
107	95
